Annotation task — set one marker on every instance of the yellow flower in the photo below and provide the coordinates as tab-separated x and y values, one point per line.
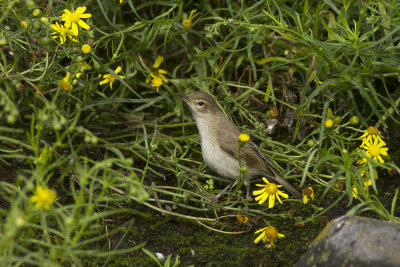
319	81
270	191
370	134
367	181
45	155
328	123
274	112
73	19
375	149
78	75
85	66
109	78
362	161
242	219
43	197
65	84
188	22
86	49
62	33
157	81
121	1
330	119
244	138
268	234
157	76
355	192
308	193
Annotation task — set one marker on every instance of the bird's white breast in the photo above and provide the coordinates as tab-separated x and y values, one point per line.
213	155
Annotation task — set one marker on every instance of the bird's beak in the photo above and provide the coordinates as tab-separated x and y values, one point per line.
185	98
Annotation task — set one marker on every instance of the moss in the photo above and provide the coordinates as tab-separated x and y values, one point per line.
202	247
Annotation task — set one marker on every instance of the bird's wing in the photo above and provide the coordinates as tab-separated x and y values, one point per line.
252	155
257	159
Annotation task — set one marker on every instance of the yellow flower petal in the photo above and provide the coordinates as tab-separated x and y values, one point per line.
161	72
158	62
263	198
283	194
271	201
261	236
260	230
103	82
279	199
258	192
80	10
74	29
83	25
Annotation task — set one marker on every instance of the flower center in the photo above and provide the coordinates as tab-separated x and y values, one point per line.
44	196
242	219
328	123
154	71
271	188
63	31
372	130
74	17
307	192
374	151
65	85
271	232
111	78
187	23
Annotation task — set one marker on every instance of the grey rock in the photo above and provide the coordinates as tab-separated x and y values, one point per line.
355	241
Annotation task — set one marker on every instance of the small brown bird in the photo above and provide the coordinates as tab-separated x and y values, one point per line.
219	143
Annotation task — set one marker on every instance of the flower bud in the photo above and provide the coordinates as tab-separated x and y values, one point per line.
36	12
57	126
354	120
244	138
24	24
11	119
44	20
87	139
328	123
93	140
86	49
311	143
44	41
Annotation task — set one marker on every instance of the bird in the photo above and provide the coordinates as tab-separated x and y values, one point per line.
219	138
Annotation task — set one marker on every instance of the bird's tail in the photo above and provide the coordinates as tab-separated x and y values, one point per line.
288	186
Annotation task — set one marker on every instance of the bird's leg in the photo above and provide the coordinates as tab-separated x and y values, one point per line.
247	184
215	198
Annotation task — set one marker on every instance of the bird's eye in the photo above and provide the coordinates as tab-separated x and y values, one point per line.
200	103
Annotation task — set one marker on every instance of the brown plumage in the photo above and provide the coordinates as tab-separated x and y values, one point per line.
219	138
